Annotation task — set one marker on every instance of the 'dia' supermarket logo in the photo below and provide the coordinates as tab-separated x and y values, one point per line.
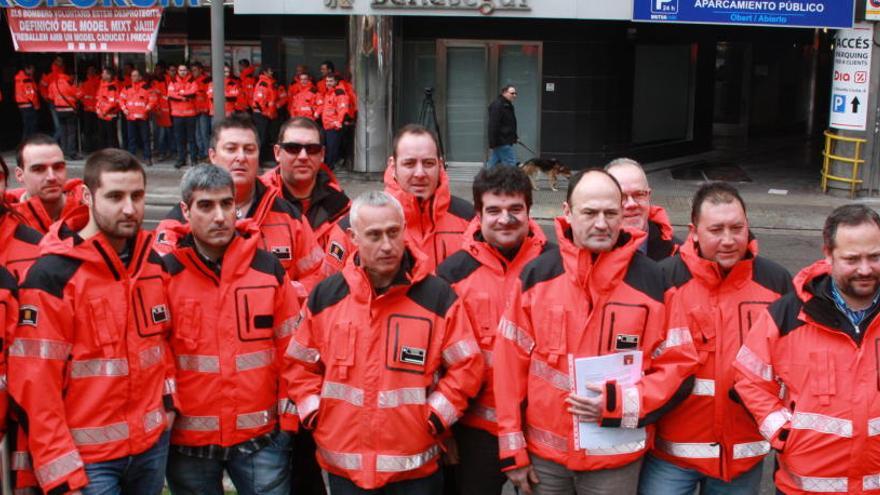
85	4
664	6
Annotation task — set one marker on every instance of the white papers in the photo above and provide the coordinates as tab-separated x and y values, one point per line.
626	369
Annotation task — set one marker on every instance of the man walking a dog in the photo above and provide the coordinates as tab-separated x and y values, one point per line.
502	129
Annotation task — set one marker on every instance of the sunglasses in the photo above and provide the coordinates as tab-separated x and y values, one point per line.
296	148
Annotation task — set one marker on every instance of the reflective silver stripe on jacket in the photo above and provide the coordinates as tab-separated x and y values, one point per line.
400	396
254	360
342	460
302	353
689	450
443	406
153	419
314	257
287	326
750	361
255	419
197	423
150	357
286	406
100	434
871	482
674	338
547	438
822	423
488	358
750	449
58	468
21	461
460	351
308	405
40	348
873	427
704	387
341	391
773	422
517	335
400	463
631	406
483	412
3	382
98	367
511	441
554	377
623	448
819	485
200	364
170	386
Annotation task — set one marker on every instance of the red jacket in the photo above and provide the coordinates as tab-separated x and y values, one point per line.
483	277
8	319
379	378
265	95
434	227
303	102
46	83
565	305
809	378
283	233
107	100
162	110
332	108
182	95
89	90
248	80
65	94
661	238
26	92
345	86
34	214
203	82
90	365
20	245
710	432
137	101
228	364
232	91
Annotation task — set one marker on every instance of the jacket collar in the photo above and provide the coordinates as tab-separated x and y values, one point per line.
417	212
414	267
236	259
489	256
602	275
709	273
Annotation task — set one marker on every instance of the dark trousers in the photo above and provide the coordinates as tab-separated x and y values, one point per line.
56	124
139	135
262	123
479	470
107	137
68	132
429	485
141	474
185	134
305	472
89	131
333	142
29	121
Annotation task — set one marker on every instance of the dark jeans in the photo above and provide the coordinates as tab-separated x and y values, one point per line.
334	142
29	121
262	124
203	133
89	131
142	474
56	124
107	137
306	476
68	131
185	134
429	485
479	470
139	134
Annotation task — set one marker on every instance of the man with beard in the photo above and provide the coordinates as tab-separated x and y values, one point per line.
89	365
808	370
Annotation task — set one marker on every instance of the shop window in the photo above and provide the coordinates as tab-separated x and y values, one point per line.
663	91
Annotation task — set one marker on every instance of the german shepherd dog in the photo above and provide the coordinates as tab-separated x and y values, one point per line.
551	167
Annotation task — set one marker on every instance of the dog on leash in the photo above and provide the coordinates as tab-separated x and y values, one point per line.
551	167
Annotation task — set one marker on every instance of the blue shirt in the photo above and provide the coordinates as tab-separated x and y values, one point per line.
853	315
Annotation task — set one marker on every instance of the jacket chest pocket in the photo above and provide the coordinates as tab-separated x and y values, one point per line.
277	240
553	333
748	314
341	348
105	331
481	311
623	326
407	343
255	313
702	330
822	376
152	316
188	327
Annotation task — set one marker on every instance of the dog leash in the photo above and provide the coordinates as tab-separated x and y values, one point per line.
526	147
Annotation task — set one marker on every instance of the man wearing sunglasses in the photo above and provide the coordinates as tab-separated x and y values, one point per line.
639	213
305	180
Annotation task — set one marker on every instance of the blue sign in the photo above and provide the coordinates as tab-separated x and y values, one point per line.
838	103
792	13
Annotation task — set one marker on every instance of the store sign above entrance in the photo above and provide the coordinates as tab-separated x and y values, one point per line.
782	13
86	4
84	30
549	9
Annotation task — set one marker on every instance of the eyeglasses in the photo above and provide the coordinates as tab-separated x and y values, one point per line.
639	196
296	148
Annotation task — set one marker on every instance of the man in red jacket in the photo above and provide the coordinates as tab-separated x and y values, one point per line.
27	97
137	100
89	91
497	245
182	95
383	362
107	109
66	98
203	117
639	213
90	365
332	109
230	390
722	284
594	296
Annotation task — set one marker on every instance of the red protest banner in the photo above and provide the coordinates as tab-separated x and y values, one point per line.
69	29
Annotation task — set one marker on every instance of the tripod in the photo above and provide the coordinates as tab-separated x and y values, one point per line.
428	118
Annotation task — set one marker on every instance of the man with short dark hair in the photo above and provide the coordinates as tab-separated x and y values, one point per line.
595	295
332	109
499	242
230	393
807	370
136	101
27	97
710	441
90	364
182	91
502	128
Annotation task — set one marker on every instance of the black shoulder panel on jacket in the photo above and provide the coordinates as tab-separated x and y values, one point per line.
26	234
433	294
339	91
461	208
281	205
645	275
7	281
345	222
155	258
545	267
330	291
457	267
176	214
784	312
771	275
675	271
51	273
172	264
268	263
547	247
